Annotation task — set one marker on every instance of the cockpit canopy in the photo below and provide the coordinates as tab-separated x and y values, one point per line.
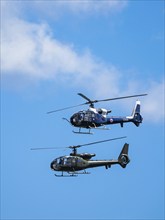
81	117
65	160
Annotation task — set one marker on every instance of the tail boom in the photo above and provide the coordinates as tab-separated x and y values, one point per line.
122	160
135	117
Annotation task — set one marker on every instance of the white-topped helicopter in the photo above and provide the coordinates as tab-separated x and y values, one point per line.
94	118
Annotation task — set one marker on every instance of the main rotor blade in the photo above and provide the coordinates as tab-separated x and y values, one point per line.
57	110
77	146
94	101
122	97
97	142
45	148
82	95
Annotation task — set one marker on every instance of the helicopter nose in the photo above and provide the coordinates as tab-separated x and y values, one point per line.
73	120
52	165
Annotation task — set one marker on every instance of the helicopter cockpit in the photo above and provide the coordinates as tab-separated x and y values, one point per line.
77	118
82	116
65	161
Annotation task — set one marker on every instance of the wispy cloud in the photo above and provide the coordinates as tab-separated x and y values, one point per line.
30	50
78	7
154	104
91	6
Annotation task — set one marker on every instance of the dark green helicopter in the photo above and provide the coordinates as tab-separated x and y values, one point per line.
76	162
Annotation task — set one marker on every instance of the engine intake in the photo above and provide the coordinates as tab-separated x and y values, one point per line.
85	156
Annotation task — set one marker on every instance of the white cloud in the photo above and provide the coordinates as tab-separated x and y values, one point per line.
81	7
29	50
91	6
154	104
56	9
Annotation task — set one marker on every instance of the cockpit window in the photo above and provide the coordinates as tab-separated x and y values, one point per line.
60	161
81	116
66	161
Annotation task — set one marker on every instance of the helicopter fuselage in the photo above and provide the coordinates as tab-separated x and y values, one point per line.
82	161
75	163
93	118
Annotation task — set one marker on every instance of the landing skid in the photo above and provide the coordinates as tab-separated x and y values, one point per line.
89	128
71	174
77	173
65	175
80	132
102	128
89	131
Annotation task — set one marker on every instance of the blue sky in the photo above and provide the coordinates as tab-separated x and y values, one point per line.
50	51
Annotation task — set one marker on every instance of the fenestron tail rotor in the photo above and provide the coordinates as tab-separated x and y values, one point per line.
91	102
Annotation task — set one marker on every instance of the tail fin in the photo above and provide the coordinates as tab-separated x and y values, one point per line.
123	158
136	116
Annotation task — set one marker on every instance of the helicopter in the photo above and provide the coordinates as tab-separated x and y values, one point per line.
97	118
76	162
